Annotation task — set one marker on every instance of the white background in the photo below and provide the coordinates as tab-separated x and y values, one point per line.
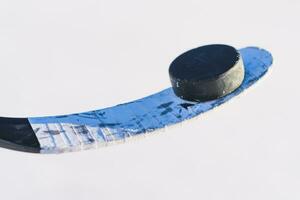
65	56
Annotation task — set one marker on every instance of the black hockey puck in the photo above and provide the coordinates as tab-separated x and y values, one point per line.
207	72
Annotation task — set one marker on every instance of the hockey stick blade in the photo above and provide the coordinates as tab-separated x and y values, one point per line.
74	132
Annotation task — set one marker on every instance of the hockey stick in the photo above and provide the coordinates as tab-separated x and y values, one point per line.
57	134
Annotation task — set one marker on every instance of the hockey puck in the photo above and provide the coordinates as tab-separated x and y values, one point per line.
207	72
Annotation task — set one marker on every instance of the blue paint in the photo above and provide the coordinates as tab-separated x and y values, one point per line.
144	115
